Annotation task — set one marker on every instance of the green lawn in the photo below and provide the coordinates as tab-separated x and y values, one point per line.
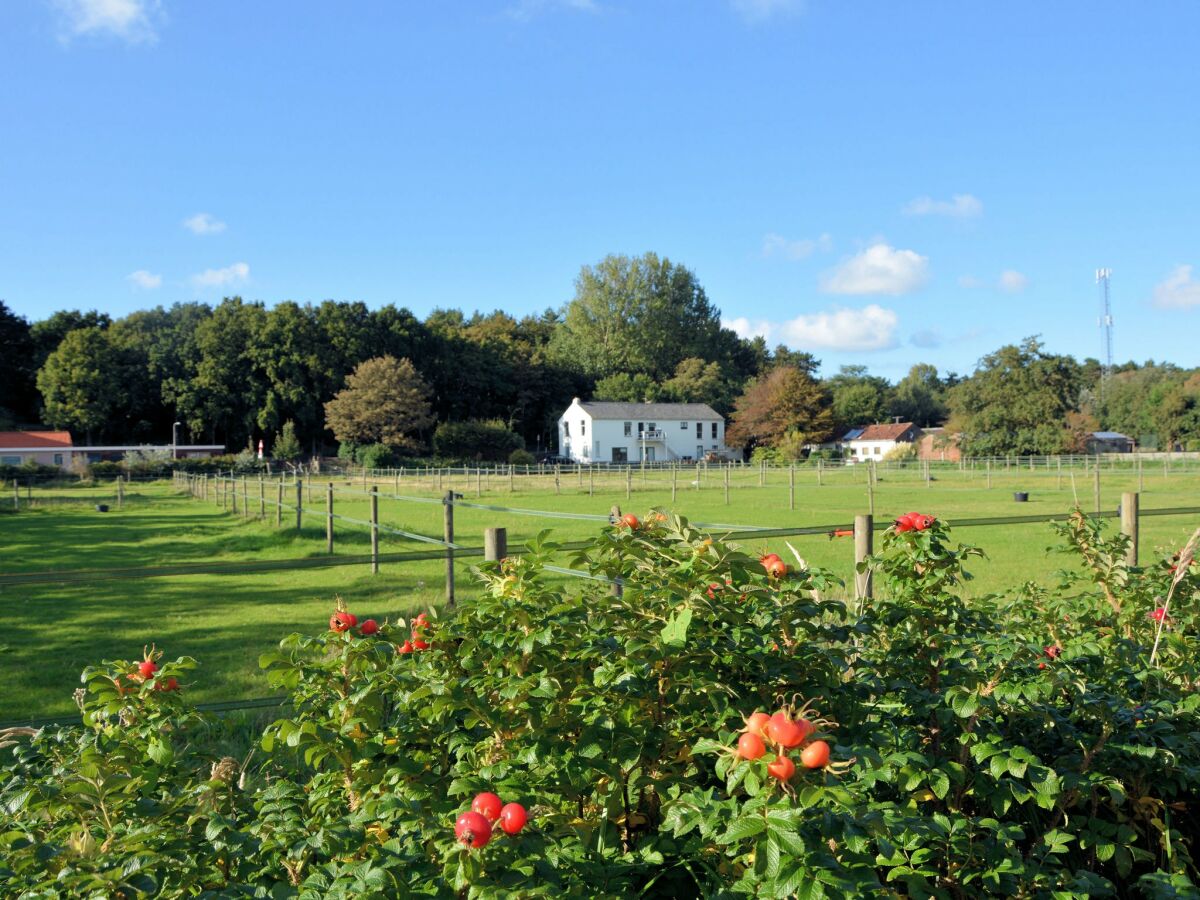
51	631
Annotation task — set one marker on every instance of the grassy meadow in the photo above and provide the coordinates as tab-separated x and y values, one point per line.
51	631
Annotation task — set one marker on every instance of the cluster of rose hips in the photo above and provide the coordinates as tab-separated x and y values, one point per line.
1051	652
474	829
913	522
417	641
785	731
144	671
343	621
773	565
1159	615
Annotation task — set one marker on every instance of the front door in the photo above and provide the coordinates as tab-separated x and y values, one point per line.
649	454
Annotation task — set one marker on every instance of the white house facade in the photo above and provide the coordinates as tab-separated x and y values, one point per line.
601	432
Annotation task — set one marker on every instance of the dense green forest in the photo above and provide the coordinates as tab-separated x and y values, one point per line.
639	328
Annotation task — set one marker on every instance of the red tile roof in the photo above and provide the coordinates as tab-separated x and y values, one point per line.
35	440
888	432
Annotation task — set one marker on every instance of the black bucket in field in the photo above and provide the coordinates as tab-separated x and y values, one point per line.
1021	496
101	507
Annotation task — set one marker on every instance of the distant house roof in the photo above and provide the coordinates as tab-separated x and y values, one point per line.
888	432
35	440
655	411
852	434
1110	436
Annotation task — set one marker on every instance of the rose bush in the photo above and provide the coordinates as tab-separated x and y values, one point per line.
695	719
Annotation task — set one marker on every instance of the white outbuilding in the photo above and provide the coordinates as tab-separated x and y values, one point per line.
632	432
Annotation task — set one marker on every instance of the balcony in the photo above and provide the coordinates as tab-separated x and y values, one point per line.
657	435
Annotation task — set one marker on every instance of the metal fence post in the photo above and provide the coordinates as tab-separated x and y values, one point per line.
262	498
448	537
1096	485
279	504
16	495
864	538
495	544
120	492
374	529
1129	525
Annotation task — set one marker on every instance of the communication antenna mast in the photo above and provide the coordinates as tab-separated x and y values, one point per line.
1106	326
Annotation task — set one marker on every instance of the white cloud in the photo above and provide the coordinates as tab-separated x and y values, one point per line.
969	282
880	269
960	206
1178	290
130	20
871	328
145	280
1013	281
203	223
221	277
802	248
523	10
760	10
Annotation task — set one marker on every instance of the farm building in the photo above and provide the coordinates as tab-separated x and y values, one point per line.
56	448
877	441
635	432
46	448
1109	442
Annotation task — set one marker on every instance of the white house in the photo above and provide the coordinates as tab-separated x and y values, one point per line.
633	432
877	441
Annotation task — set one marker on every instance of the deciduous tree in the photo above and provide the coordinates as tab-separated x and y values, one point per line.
785	401
385	401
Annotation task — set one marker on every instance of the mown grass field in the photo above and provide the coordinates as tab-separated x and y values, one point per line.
51	631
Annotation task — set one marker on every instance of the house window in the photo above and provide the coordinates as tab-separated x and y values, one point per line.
714	429
566	429
684	424
699	429
620	454
641	427
628	430
878	451
10	460
584	451
582	427
652	427
714	446
58	459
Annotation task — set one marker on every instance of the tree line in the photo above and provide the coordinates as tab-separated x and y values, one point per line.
637	328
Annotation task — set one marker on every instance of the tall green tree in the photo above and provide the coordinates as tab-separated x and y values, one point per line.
1017	402
625	388
81	383
385	401
919	397
48	333
859	398
222	400
18	384
640	314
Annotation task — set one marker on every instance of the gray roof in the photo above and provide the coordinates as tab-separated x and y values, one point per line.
649	411
1110	436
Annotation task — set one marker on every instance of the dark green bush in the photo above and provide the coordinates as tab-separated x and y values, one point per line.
490	441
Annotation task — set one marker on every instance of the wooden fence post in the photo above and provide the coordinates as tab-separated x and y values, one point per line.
697	476
495	544
1129	525
727	484
262	498
299	502
16	495
628	482
329	517
871	486
792	485
988	462
1096	486
374	529
557	484
120	492
820	468
864	542
1141	486
674	480
279	504
448	537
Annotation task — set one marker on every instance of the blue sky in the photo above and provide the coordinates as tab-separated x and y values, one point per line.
877	182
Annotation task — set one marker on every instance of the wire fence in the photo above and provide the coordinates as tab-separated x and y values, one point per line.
244	496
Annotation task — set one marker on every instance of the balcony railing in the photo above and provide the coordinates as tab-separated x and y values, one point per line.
656	435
